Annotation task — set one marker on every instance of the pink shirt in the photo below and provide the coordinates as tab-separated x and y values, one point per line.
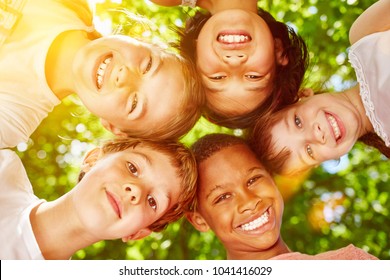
347	253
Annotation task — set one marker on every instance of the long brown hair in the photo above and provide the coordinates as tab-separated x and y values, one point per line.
372	139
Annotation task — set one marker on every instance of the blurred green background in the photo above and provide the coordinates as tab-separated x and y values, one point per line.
337	204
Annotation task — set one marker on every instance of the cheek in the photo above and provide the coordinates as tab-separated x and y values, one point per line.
265	58
207	62
219	217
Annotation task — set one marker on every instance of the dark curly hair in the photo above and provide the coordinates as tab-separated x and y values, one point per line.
288	78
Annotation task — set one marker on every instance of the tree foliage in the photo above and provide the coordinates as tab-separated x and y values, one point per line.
327	210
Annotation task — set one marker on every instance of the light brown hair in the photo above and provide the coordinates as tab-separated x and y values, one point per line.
181	159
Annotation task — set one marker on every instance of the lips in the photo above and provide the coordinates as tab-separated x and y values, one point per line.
115	203
336	126
101	71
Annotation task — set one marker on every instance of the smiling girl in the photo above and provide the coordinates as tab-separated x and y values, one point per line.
52	50
249	62
326	126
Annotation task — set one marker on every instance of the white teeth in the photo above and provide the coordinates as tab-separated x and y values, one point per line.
233	38
335	126
256	223
101	70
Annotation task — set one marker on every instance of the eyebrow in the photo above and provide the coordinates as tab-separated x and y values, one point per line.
287	123
217	187
144	156
249	88
259	168
145	101
159	66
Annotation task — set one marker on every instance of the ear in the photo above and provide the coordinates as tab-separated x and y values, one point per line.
197	221
112	128
281	59
306	92
142	233
90	159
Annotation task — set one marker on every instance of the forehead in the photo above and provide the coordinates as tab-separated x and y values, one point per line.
156	167
148	154
165	94
287	138
235	99
229	160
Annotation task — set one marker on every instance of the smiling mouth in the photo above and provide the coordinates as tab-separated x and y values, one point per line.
335	126
233	38
257	223
101	70
114	203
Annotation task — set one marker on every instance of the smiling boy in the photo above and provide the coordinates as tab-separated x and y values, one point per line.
238	200
130	188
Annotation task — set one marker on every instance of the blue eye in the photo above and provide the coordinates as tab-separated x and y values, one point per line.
297	121
309	151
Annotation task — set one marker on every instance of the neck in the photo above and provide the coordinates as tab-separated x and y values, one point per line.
215	6
353	96
59	61
57	229
277	249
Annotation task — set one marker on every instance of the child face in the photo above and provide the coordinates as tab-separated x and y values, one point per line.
239	200
131	85
236	58
126	191
318	128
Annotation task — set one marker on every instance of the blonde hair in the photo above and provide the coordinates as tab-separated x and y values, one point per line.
193	97
181	159
192	102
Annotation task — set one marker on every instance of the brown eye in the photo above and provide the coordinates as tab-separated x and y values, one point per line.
309	151
131	167
253	180
148	66
216	78
152	202
134	103
253	77
222	197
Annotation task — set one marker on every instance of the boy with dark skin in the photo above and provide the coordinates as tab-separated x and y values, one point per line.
238	199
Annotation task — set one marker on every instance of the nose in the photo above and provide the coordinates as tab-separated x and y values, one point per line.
248	201
121	77
318	133
234	59
132	193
